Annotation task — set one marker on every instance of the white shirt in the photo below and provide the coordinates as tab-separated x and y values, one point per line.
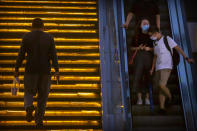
164	58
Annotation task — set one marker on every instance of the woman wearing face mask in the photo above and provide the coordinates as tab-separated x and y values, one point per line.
143	45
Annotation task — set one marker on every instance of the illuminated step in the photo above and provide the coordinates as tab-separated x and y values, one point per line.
7	95
57	47
50	31
50	2
60	70
58	54
53	104
52	123
65	130
94	62
48	25
62	78
56	40
52	113
49	7
50	18
76	129
47	12
54	86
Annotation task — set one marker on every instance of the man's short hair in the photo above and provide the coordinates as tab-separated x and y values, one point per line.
37	23
154	30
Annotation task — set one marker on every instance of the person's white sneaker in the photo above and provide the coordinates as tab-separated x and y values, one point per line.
147	101
139	102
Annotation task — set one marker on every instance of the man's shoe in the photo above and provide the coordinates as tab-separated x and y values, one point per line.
162	111
39	125
29	111
38	119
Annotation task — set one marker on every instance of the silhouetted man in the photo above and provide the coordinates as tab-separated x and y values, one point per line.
40	49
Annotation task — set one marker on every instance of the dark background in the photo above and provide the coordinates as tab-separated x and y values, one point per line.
191	10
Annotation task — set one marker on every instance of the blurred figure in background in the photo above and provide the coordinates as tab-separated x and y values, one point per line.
144	9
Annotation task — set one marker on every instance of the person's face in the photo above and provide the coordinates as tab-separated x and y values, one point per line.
155	36
144	22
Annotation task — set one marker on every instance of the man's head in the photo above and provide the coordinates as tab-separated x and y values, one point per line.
37	24
155	34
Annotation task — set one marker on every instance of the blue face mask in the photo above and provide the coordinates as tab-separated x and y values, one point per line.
145	27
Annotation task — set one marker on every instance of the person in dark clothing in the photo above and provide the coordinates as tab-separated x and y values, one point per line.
144	9
143	45
40	49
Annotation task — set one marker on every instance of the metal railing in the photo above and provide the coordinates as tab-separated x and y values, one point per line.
114	67
187	77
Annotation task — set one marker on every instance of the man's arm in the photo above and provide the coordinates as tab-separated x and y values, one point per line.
129	18
20	58
54	55
158	21
183	54
54	59
153	64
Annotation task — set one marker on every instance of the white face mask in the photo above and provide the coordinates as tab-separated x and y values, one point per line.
153	38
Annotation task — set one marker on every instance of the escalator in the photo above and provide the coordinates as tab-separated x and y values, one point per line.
74	103
144	119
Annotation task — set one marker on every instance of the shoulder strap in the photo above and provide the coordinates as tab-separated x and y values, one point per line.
166	44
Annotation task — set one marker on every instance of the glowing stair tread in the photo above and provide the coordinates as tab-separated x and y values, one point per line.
60	69
53	104
50	31
51	19
57	47
53	2
53	122
52	113
95	62
48	12
61	78
49	7
59	86
56	40
48	24
54	95
58	54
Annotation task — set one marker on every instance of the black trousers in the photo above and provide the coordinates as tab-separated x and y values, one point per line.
141	73
40	84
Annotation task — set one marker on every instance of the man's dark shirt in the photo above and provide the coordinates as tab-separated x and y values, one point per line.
40	49
145	9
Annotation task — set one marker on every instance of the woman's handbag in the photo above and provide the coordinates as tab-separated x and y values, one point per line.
132	57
